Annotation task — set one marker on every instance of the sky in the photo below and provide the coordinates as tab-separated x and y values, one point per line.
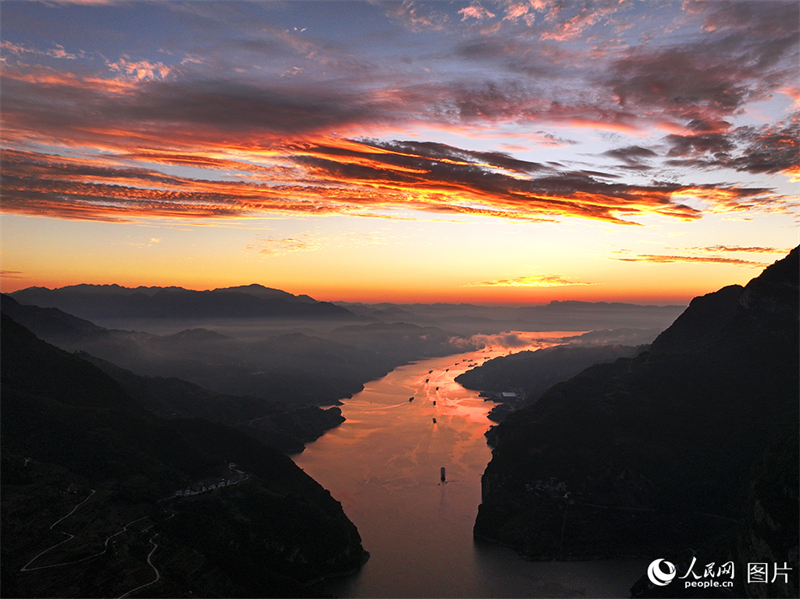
513	151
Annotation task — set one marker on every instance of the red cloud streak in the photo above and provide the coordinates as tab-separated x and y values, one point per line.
334	176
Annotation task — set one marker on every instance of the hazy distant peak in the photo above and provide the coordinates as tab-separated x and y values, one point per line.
251	288
91	287
381	326
267	292
198	334
583	304
112	301
108	288
81	286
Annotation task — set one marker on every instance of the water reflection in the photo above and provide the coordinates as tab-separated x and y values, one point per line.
384	463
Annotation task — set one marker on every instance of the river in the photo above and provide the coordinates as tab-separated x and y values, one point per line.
383	464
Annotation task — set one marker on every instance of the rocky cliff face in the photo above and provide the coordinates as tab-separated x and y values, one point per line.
700	323
653	454
770	531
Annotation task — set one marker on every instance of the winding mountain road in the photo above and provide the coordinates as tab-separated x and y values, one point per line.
150	563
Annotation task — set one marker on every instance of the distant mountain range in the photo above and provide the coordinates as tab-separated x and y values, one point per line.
470	319
654	454
98	302
115	306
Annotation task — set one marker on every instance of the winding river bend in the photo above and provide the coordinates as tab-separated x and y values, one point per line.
384	465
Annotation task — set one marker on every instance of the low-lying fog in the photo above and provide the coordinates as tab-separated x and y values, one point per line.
317	359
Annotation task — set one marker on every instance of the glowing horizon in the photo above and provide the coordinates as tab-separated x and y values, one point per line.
496	152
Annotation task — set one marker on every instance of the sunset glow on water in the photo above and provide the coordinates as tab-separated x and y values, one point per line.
383	464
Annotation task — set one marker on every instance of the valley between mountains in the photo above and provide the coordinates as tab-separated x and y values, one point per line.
663	429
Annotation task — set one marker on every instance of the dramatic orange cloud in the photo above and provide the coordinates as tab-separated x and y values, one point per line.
511	130
333	176
530	281
748	250
661	259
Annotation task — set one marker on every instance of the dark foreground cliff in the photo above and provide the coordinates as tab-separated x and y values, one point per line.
89	505
653	455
